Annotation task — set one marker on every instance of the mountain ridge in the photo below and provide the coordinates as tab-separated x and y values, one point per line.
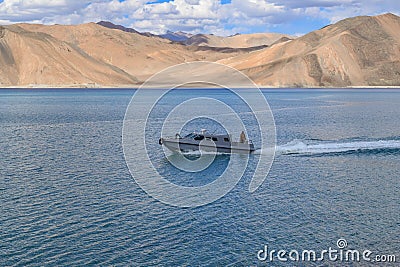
237	40
39	58
358	51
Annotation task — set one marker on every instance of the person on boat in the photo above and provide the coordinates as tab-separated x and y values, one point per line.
242	137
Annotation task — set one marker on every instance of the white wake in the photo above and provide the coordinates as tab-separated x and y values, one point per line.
323	147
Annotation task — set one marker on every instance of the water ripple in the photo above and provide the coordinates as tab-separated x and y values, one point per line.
67	198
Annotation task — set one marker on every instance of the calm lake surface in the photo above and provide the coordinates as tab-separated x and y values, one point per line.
68	199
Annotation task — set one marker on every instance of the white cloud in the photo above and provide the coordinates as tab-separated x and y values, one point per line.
254	8
36	10
190	15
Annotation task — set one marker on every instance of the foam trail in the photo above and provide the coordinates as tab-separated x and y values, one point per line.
310	147
303	147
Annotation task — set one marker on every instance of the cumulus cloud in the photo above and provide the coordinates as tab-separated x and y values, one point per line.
36	10
191	15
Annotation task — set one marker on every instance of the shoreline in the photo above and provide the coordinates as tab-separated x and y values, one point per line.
205	86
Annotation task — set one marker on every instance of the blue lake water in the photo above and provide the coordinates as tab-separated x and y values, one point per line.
68	199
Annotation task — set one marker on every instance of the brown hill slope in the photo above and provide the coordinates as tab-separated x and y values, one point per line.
236	41
139	55
38	58
361	51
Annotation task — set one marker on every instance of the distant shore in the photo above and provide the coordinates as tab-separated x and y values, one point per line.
203	86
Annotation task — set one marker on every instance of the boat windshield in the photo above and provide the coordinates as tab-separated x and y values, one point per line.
198	137
191	135
195	136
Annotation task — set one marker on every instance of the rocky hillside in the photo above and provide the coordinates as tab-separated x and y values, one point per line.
134	53
360	51
237	41
37	58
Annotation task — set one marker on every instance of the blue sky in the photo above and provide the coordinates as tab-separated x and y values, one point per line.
222	17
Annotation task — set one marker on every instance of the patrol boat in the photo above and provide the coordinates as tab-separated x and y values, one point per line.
207	142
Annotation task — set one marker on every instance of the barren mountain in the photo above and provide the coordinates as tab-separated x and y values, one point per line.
176	36
38	58
139	55
111	25
361	51
172	36
236	41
